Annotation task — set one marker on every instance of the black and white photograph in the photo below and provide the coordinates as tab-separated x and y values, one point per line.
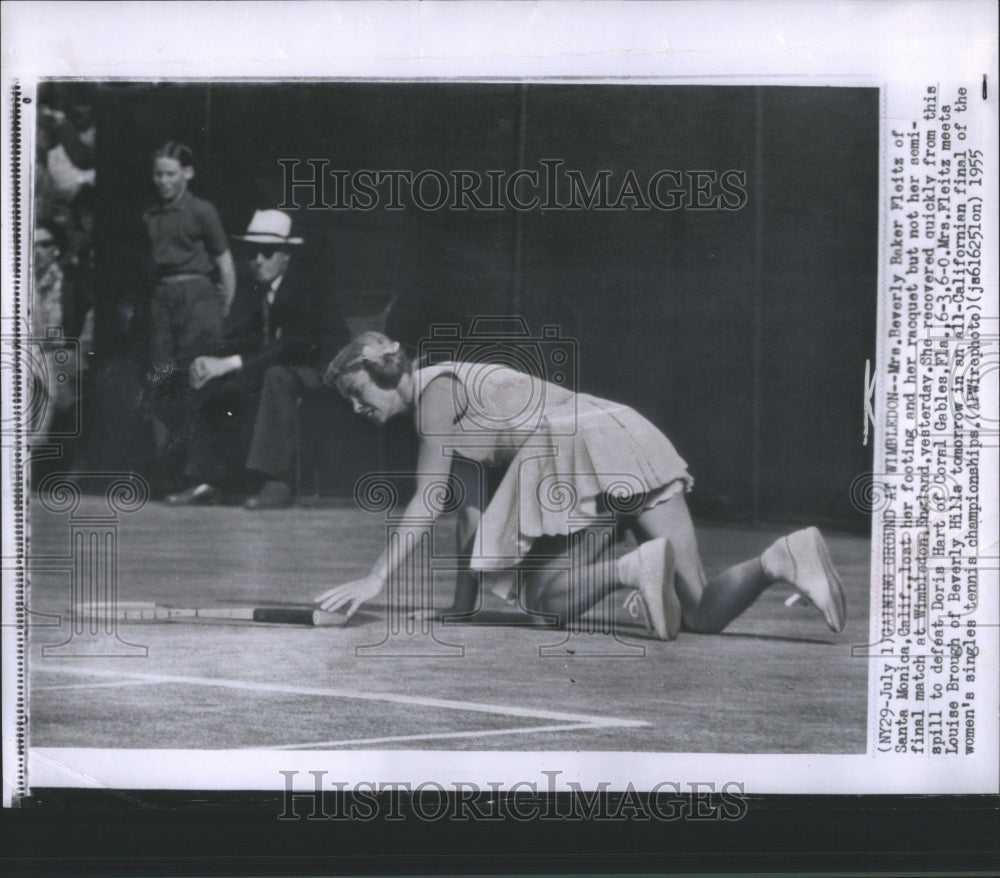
539	429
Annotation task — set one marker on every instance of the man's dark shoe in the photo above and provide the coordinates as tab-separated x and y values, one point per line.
274	495
197	495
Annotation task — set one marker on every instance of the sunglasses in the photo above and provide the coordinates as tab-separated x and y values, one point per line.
46	243
267	250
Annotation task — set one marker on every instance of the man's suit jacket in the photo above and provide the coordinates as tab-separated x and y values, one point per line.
302	327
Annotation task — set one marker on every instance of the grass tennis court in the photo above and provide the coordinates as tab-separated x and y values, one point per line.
777	681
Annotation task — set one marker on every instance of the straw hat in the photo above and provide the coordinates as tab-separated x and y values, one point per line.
269	227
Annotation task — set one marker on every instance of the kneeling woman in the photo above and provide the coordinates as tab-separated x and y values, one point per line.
562	460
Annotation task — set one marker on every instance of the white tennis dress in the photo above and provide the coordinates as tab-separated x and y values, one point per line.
570	457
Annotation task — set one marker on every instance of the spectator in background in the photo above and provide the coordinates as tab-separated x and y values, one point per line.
65	157
72	135
187	308
54	372
63	266
48	275
78	304
79	263
45	190
279	337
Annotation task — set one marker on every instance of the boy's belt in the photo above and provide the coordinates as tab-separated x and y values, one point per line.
175	278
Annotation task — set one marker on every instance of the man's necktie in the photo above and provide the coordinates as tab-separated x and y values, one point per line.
266	312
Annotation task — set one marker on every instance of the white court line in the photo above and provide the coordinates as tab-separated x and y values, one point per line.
112	685
447	704
522	730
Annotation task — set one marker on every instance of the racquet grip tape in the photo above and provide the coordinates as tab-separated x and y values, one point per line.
296	616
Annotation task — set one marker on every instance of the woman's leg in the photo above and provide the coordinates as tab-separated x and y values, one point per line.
708	606
467	581
470	476
550	589
595	570
799	559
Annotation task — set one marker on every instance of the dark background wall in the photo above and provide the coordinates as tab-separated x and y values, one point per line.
743	334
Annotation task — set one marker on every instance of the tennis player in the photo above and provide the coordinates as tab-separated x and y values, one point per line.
560	458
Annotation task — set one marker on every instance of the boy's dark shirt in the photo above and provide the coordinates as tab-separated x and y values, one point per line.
185	236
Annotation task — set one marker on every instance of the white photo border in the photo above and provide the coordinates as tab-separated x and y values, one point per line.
896	46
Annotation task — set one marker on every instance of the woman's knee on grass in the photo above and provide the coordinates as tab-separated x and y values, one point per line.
545	590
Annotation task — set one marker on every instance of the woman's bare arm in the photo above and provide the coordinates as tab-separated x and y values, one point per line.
436	418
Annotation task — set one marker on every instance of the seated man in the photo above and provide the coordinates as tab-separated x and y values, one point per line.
278	338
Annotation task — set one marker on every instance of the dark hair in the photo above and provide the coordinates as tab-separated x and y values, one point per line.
381	357
55	230
178	151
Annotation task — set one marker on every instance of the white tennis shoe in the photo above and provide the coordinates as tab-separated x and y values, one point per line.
650	570
801	559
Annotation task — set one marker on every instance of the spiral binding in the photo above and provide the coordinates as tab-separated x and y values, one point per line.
17	453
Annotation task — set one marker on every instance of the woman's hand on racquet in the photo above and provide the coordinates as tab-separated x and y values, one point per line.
353	594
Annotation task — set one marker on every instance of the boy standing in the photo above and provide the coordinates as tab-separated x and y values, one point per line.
189	248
